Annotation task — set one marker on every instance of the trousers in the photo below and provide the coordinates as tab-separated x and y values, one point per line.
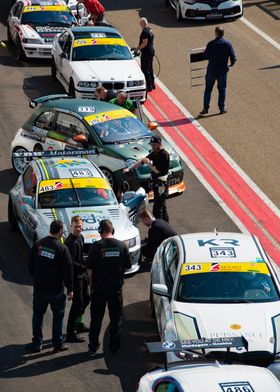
160	195
221	85
147	69
81	299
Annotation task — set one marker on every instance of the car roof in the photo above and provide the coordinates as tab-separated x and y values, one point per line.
83	107
222	247
52	168
42	2
93	29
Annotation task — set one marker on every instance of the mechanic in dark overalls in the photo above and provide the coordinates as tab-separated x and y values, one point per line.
158	162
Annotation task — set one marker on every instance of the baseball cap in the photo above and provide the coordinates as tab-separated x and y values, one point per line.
155	139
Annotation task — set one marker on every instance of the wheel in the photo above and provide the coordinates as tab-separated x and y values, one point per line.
53	70
20	56
12	217
167	2
9	37
72	89
152	303
178	11
19	164
111	178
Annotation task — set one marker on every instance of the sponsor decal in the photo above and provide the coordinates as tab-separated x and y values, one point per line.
86	109
46	252
236	386
65	163
98	41
197	268
97	35
39	131
67	183
222	252
235	326
107	116
218	242
81	173
37	8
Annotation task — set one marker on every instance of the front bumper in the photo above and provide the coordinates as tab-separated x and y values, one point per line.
37	51
203	11
132	94
172	190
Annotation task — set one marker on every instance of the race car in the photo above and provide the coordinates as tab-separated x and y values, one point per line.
84	58
62	122
216	285
60	187
206	9
33	24
214	372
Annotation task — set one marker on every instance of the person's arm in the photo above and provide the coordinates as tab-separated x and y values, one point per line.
206	52
143	44
147	162
130	106
89	274
31	260
68	272
135	166
232	55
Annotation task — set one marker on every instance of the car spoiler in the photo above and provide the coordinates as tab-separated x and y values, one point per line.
34	102
194	344
54	153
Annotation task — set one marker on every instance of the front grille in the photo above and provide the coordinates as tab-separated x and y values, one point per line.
191	13
113	85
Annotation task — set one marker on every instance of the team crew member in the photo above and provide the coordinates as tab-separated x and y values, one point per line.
105	95
81	298
95	9
107	261
51	267
146	45
158	162
159	231
218	52
123	101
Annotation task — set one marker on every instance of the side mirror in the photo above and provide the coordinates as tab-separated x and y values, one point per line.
29	200
152	125
14	19
80	138
126	196
160	289
63	55
83	20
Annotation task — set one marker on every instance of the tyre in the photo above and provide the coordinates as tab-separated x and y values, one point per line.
19	164
111	178
20	56
9	37
53	70
72	91
12	217
178	11
167	3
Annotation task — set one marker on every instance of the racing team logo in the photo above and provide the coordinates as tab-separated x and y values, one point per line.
215	267
168	345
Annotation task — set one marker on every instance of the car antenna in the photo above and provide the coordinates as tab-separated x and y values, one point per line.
216	231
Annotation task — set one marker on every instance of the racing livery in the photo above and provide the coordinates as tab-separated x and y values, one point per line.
216	285
59	188
84	58
33	24
206	9
62	122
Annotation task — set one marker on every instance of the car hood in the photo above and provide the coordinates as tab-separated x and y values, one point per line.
91	216
115	70
251	320
47	33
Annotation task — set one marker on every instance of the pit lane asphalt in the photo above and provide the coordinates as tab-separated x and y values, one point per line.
249	133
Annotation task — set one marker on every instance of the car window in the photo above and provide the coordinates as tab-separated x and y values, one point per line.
69	126
62	39
170	259
45	120
30	182
43	18
67	46
17	9
167	386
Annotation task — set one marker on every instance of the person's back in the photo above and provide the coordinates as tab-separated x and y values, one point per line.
160	231
218	52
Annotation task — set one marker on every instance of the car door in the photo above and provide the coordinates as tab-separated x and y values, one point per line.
14	19
62	57
44	129
169	265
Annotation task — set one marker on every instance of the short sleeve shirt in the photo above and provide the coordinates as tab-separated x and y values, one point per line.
128	104
160	160
148	34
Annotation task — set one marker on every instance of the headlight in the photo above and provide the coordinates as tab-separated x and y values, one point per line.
31	41
88	84
130	243
174	155
133	83
130	162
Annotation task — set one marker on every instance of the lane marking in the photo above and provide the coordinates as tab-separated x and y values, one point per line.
260	33
250	207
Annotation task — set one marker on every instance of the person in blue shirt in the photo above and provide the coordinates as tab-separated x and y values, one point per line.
218	52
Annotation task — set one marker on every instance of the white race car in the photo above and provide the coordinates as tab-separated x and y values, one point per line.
216	285
33	24
86	57
206	9
211	373
58	188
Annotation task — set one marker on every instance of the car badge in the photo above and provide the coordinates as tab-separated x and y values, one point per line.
235	326
167	345
112	78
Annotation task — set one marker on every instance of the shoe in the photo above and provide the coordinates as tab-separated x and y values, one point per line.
149	89
80	328
93	350
33	348
223	111
153	86
204	111
59	349
74	338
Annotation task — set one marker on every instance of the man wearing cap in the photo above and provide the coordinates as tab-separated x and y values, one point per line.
158	162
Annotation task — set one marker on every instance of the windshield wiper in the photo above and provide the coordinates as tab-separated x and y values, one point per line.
76	193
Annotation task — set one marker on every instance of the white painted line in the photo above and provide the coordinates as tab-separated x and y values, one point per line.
211	140
260	33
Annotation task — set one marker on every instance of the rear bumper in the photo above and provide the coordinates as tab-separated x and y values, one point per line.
203	11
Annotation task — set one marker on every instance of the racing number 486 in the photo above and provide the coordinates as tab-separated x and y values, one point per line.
238	389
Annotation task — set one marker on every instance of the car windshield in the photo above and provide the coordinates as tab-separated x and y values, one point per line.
101	52
227	287
66	193
121	130
53	18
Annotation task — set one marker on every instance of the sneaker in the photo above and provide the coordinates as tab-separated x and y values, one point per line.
204	111
33	348
74	338
223	111
93	350
59	349
80	328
